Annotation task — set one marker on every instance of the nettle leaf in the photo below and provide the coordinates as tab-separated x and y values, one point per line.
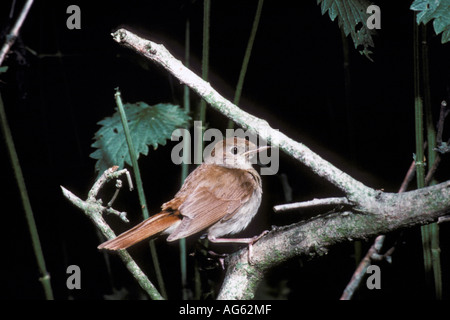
352	20
149	125
436	10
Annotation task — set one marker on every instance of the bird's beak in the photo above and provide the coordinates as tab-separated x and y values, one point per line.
256	150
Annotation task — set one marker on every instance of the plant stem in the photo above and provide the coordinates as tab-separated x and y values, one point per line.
418	113
139	187
6	131
132	152
432	230
186	158
248	52
12	35
420	156
205	66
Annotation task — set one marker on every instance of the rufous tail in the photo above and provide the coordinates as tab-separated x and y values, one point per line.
147	228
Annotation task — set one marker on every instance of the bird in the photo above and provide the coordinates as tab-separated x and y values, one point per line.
221	196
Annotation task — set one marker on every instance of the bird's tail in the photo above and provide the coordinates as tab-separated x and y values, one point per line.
147	228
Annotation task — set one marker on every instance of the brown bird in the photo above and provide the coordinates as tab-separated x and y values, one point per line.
221	195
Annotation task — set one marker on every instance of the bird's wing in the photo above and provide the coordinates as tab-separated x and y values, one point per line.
217	196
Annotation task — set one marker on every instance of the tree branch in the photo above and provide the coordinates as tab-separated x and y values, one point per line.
160	55
94	209
312	203
386	213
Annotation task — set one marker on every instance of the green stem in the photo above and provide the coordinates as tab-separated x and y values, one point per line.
248	52
45	276
139	186
418	113
132	153
432	230
185	163
205	64
420	156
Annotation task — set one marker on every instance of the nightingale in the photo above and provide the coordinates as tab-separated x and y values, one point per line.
221	196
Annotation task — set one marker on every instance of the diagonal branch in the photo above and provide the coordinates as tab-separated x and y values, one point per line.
160	55
94	209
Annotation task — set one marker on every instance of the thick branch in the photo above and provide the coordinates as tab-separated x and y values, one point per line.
386	213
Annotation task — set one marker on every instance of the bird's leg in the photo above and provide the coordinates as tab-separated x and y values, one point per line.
248	241
220	257
209	254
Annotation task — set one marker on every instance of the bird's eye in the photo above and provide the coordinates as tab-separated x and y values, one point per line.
234	150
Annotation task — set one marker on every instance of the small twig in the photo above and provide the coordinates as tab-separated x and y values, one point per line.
116	193
122	215
109	174
361	270
440	126
432	170
409	176
93	209
444	219
442	147
373	252
311	203
14	33
130	181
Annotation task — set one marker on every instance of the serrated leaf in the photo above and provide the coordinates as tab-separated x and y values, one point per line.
436	10
351	13
149	125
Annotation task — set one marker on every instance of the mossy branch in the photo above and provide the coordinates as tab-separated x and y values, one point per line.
380	215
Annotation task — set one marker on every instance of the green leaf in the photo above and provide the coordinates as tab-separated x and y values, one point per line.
351	14
3	69
149	125
436	10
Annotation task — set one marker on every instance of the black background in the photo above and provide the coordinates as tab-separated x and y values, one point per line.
295	80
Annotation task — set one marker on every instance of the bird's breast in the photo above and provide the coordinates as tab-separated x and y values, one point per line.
240	219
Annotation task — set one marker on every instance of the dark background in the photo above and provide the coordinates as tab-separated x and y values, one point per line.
295	80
